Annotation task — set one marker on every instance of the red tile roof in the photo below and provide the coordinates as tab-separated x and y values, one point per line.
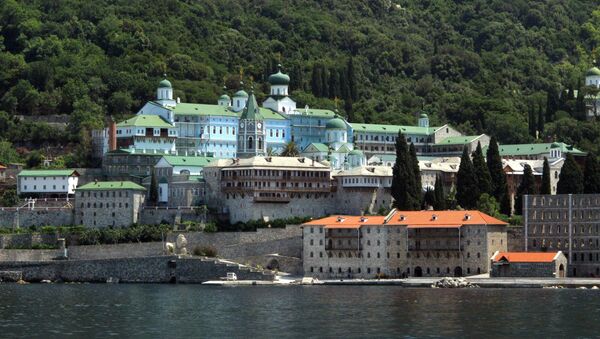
413	219
525	256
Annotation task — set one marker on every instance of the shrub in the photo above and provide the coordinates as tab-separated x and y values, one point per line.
205	251
210	227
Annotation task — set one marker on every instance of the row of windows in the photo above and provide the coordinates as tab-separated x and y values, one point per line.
44	187
564	243
106	205
103	194
398	270
417	255
41	178
551	229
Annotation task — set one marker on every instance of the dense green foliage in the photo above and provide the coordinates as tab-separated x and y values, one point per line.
480	65
570	180
253	225
591	175
439	203
484	180
499	185
526	187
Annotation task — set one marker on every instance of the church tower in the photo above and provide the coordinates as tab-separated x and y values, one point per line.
251	133
164	93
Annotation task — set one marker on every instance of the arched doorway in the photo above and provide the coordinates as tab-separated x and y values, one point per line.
418	271
458	271
561	271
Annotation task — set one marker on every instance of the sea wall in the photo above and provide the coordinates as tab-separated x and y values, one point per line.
30	255
159	269
134	250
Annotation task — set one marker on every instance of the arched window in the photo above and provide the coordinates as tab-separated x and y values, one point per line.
260	143
250	142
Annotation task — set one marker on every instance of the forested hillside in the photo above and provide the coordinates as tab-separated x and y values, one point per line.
484	66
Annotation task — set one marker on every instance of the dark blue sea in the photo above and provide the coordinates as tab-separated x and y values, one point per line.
194	311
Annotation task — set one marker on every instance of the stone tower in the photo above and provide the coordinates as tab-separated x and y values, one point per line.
251	135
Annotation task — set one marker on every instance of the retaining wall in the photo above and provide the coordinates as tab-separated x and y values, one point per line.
159	269
24	217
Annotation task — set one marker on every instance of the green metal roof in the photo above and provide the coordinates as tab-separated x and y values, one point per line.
593	71
145	120
224	97
525	149
110	186
48	173
335	123
375	128
317	113
356	152
460	140
165	84
318	146
175	160
203	109
343	149
240	93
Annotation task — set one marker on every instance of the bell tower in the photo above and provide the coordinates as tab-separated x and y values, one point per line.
251	135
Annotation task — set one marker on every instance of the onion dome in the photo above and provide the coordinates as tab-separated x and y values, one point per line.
335	123
279	78
593	71
224	97
165	84
240	93
356	152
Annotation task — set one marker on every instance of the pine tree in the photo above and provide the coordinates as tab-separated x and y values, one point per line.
153	189
570	180
540	120
546	186
416	191
591	175
494	163
527	186
440	197
481	171
352	83
399	179
467	189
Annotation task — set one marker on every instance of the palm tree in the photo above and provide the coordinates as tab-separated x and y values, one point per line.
290	150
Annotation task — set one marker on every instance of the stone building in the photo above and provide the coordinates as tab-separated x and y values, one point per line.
568	223
514	170
365	189
109	203
529	264
403	243
268	188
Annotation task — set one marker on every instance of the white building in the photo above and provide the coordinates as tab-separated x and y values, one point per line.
47	182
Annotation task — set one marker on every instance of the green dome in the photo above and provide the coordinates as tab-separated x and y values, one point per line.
335	123
240	93
224	97
356	152
279	79
165	84
424	116
593	71
555	145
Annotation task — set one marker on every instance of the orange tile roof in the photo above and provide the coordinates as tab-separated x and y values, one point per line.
525	256
342	226
414	219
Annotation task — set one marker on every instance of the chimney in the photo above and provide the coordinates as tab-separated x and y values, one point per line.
112	135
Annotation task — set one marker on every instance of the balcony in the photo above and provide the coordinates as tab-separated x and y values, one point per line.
343	247
282	200
435	248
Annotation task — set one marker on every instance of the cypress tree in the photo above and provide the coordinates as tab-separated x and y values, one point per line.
494	163
481	171
591	175
399	179
571	178
344	86
580	109
546	187
352	80
315	81
324	81
531	122
551	104
334	84
440	197
527	186
429	198
416	191
540	120
467	189
505	207
153	189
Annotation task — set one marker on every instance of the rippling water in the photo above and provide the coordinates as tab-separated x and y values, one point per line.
175	311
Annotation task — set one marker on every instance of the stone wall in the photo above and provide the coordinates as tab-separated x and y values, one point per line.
158	269
24	217
30	255
134	250
154	216
516	238
26	240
